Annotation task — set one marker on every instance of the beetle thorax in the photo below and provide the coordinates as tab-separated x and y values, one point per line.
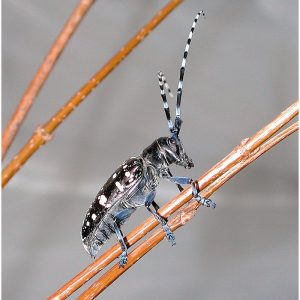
154	155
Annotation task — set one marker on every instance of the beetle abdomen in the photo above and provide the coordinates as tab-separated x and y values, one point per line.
111	204
101	233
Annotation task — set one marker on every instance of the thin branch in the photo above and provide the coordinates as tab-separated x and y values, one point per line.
253	156
42	74
238	154
44	133
183	216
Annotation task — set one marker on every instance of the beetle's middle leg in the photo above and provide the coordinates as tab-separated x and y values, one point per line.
169	234
163	221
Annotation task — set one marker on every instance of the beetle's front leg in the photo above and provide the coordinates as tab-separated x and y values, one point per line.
196	194
169	234
195	189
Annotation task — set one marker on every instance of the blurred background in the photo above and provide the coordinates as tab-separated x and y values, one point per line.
241	72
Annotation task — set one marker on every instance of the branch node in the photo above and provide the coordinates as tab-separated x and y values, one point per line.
242	150
41	132
186	215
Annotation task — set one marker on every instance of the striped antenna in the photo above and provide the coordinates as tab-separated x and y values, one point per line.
178	120
166	86
162	85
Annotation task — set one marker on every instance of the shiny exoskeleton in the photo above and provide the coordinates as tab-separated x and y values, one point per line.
134	183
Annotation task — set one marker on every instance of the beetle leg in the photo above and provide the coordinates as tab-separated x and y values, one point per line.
195	189
169	234
180	179
123	256
196	194
180	188
156	207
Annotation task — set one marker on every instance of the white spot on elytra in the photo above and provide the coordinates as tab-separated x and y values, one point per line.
87	223
119	186
102	199
127	174
115	175
94	216
125	166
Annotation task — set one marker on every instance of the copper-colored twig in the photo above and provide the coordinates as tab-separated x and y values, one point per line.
238	154
252	156
42	74
182	217
47	129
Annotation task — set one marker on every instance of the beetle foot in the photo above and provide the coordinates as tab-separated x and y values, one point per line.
204	201
169	234
123	259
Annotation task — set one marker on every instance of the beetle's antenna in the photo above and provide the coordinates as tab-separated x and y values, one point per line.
166	86
178	120
163	84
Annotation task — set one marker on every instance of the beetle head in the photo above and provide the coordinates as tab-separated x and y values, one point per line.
173	152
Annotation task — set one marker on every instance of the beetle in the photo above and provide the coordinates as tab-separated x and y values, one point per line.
134	183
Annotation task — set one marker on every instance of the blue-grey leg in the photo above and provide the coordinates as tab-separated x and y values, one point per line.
196	194
169	234
156	207
180	180
123	256
195	189
180	188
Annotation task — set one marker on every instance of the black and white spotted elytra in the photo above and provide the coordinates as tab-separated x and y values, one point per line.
134	183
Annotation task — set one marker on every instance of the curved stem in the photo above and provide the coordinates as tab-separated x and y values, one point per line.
42	74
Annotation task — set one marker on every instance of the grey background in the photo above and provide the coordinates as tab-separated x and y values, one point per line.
241	72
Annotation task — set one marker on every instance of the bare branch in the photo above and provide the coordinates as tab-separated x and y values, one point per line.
42	74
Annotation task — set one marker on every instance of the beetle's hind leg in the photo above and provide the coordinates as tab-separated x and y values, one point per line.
123	256
196	194
169	234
